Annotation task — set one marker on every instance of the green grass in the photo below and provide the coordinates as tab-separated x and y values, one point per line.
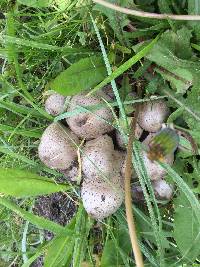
37	43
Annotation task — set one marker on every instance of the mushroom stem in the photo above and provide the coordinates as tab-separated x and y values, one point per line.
128	200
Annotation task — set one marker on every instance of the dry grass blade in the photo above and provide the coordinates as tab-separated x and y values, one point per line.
128	200
143	14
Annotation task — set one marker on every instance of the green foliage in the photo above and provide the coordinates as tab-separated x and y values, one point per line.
80	76
186	229
60	247
64	247
21	183
56	43
117	21
112	256
125	66
35	3
173	54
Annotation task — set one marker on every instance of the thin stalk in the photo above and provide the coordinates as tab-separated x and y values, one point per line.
139	13
128	200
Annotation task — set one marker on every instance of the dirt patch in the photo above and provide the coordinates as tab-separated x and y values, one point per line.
57	207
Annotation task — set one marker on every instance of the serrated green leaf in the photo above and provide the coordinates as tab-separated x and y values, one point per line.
80	76
35	3
181	82
192	102
186	229
21	183
173	54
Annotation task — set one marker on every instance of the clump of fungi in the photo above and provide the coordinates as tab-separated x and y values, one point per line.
102	149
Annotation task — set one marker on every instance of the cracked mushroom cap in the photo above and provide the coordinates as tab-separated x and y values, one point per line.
56	149
54	104
154	170
89	125
99	158
102	198
151	115
162	189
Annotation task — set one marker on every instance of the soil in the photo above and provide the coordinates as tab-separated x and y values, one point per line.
56	207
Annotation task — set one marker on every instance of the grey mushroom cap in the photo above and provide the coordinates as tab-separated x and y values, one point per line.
102	198
99	158
89	125
54	104
154	170
162	189
151	115
56	149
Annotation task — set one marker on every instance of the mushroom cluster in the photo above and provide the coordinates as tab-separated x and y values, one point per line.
89	132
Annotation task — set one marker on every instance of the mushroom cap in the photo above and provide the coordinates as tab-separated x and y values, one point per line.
102	198
162	189
154	170
99	158
120	140
54	104
89	125
151	115
56	149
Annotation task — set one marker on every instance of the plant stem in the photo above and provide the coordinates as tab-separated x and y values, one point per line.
143	14
128	200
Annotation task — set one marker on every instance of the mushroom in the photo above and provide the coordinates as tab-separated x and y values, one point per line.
102	189
162	189
57	149
89	125
151	115
72	173
154	170
121	140
100	159
102	198
54	104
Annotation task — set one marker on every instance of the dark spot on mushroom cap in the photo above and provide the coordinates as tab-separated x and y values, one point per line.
103	198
